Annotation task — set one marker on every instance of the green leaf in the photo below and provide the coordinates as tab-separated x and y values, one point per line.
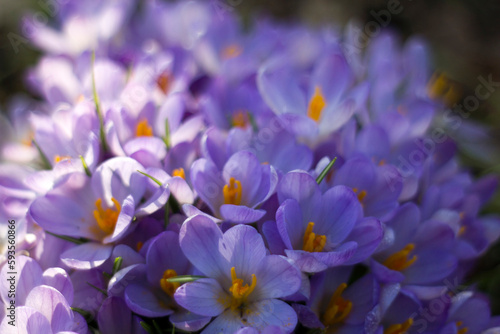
146	327
85	166
98	106
184	278
45	161
98	289
325	171
117	265
166	139
151	177
71	239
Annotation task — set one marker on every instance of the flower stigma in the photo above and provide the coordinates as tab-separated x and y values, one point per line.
106	219
231	51
143	129
313	242
179	172
399	261
338	308
399	328
164	80
316	105
240	119
232	192
360	194
462	330
239	291
169	287
59	158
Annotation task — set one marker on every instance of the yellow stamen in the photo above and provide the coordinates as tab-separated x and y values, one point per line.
231	51
440	86
169	287
179	172
316	105
462	330
80	98
240	119
106	219
59	158
139	245
143	129
239	291
164	81
313	242
232	192
399	328
338	308
399	260
361	194
461	230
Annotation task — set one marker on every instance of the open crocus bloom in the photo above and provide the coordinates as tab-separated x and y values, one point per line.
100	208
243	282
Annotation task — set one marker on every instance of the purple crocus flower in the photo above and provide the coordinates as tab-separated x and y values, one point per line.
414	253
43	300
324	106
234	193
315	227
82	26
334	304
69	133
242	284
376	187
154	297
100	208
271	144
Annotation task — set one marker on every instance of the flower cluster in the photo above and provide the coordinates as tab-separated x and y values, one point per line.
179	172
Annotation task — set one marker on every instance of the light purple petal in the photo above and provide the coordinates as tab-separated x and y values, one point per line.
204	297
200	239
188	321
271	312
86	256
276	278
319	261
124	220
58	278
165	253
155	202
112	309
341	211
144	301
52	304
227	322
289	223
28	321
244	249
239	214
29	275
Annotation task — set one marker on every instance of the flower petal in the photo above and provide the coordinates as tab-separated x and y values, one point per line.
204	297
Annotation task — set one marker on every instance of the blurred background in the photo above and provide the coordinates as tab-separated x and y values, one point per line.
464	36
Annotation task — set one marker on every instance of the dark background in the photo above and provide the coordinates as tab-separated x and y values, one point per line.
464	36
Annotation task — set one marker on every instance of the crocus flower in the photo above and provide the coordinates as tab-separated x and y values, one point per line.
234	193
327	102
313	226
242	284
154	296
416	253
335	305
100	208
43	300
